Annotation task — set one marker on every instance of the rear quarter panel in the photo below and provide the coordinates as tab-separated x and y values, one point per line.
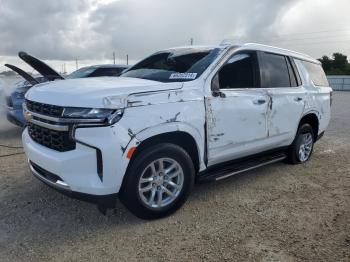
317	99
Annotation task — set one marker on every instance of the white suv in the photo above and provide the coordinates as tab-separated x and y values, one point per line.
179	116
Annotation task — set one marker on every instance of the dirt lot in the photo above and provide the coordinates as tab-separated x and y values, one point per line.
276	213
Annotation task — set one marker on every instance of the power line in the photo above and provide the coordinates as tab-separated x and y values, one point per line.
315	32
322	42
307	38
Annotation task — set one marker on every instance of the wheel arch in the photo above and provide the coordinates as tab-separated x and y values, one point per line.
312	119
181	134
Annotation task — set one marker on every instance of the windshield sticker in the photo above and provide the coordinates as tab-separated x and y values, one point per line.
183	76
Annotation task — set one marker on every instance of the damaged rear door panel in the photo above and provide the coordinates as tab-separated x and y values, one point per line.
287	97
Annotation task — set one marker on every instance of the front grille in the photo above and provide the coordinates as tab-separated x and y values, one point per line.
44	109
57	140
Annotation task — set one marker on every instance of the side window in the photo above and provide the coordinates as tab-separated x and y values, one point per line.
292	77
276	70
296	71
106	72
239	72
316	73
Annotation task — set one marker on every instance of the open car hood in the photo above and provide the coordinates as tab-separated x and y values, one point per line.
45	70
23	74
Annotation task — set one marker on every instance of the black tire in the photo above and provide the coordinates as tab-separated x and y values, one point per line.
293	151
129	194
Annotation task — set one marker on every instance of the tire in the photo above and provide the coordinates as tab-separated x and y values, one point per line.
157	181
303	142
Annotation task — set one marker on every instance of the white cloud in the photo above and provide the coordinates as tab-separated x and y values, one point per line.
91	30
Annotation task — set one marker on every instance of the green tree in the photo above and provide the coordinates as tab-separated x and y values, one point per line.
339	65
327	63
340	61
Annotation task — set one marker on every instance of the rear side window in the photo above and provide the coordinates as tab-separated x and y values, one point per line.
316	73
276	70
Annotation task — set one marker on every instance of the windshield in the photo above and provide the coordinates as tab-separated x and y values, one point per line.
174	66
82	72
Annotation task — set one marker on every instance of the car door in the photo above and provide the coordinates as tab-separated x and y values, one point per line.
282	82
236	110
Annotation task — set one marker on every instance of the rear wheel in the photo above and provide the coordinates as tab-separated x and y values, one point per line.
158	181
301	149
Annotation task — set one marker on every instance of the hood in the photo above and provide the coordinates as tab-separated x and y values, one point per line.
23	74
45	70
90	92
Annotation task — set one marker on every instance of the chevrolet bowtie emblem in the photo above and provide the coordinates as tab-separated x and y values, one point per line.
27	115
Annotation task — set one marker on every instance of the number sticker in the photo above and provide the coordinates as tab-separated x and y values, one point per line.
190	76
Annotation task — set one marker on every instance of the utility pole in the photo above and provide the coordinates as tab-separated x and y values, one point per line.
191	41
76	63
113	57
127	59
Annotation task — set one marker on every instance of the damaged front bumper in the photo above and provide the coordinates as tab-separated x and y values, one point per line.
56	183
75	172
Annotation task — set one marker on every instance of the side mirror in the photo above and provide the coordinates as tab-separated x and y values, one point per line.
215	87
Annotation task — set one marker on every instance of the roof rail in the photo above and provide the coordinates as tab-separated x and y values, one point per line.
280	49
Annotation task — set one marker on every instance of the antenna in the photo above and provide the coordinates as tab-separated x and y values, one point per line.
191	41
127	59
76	63
226	42
113	57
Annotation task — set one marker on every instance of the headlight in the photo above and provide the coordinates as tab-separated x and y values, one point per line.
86	113
108	116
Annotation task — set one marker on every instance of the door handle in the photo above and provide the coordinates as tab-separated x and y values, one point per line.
298	99
259	101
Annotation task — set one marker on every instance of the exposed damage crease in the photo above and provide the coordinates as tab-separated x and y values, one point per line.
173	119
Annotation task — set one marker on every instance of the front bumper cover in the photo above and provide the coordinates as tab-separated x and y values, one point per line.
55	182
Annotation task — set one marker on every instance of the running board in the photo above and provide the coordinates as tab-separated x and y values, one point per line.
238	167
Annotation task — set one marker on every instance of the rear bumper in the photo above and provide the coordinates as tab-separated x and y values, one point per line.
56	183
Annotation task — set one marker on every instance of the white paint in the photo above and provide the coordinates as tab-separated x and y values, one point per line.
237	125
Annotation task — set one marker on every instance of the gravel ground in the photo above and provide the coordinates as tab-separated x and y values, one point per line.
276	213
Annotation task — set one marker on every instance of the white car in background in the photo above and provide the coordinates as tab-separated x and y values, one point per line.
180	115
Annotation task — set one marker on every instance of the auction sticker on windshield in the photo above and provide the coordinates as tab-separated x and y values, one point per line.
183	76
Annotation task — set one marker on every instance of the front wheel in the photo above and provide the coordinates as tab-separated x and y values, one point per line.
301	149
158	181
